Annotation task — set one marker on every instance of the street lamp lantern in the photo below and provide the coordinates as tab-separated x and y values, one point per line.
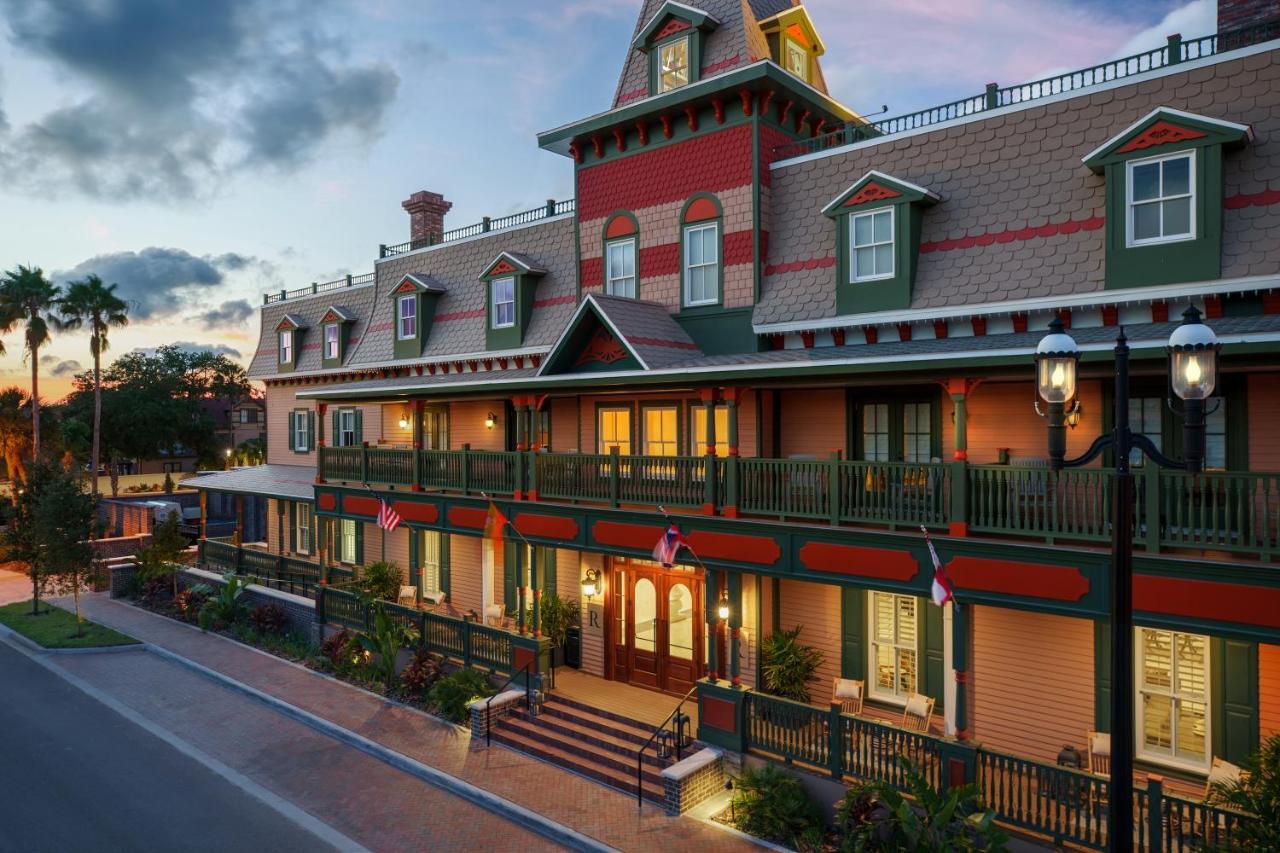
1193	358
1057	357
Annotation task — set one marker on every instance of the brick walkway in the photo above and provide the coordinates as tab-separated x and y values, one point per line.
591	809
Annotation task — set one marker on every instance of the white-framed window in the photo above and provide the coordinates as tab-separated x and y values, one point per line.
248	416
895	646
620	266
302	528
503	294
407	317
797	60
1173	698
875	432
1215	434
673	65
346	434
871	245
286	347
1161	199
331	341
346	550
701	264
301	430
429	556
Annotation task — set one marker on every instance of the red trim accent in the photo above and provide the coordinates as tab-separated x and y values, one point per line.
1110	315
1019	323
655	342
837	337
673	26
737	547
802	118
786	109
576	151
958	528
327	501
879	563
1241	604
871	191
708	509
718	713
634	94
777	342
745	96
406	286
1212	307
979	326
962	676
871	333
717	106
666	125
904	331
641	537
700	209
797	266
597	145
1013	577
546	526
472	518
1049	229
642	131
522	656
1262	198
420	512
691	114
721	65
807	338
359	505
620	138
764	102
939	328
1160	133
1159	312
460	315
1271	303
960	454
730	511
1064	317
501	268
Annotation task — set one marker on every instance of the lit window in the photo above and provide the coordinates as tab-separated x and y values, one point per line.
331	341
621	263
286	347
504	302
1215	434
429	561
699	429
673	65
661	434
894	646
798	60
1173	693
701	264
407	312
871	244
301	431
302	527
1161	206
615	431
346	435
346	540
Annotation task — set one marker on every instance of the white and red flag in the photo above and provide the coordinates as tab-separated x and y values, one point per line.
669	546
942	590
388	518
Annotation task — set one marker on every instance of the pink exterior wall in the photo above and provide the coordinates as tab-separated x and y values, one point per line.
1268	690
816	607
1264	409
466	425
1000	414
813	423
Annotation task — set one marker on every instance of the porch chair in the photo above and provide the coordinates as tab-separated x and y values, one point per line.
849	693
1195	824
1100	753
493	615
408	596
918	713
433	597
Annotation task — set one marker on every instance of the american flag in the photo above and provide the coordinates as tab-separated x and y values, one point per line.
942	591
669	546
388	518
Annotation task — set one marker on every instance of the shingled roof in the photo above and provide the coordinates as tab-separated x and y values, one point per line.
306	312
645	328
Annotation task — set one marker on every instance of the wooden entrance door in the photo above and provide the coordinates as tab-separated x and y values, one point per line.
657	626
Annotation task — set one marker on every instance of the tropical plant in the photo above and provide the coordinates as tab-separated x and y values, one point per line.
189	601
342	650
386	640
557	615
225	607
877	816
269	618
92	303
15	431
452	694
27	297
381	580
770	803
788	665
423	671
1257	792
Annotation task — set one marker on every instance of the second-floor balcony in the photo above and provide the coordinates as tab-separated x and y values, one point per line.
1223	511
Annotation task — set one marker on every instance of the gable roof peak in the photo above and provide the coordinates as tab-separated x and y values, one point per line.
1165	125
877	186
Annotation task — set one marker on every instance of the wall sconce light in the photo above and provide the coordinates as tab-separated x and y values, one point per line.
489	420
404	420
591	583
1073	415
722	607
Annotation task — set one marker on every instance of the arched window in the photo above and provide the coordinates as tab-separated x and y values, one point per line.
701	262
622	256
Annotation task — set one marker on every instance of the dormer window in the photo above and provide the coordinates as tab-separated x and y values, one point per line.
871	245
797	60
413	303
335	325
332	346
504	302
289	333
1161	200
407	317
673	65
286	347
793	42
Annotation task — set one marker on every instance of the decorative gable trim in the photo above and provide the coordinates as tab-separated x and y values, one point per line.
1166	126
798	25
507	263
334	314
674	25
416	283
877	186
291	323
658	26
598	348
603	348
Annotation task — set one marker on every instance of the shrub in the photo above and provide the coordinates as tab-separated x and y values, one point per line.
191	600
269	618
382	580
877	816
770	803
422	672
452	694
1258	793
386	640
155	590
788	665
343	652
557	614
225	607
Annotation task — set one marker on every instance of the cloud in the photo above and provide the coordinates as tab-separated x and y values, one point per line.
231	313
165	101
70	367
194	346
1197	18
158	281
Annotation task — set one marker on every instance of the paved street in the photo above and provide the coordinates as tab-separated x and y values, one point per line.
74	775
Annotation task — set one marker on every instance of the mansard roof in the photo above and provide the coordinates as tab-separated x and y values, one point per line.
1020	216
309	312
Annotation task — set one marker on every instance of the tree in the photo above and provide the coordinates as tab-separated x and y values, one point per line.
40	528
63	521
27	297
90	302
15	432
162	556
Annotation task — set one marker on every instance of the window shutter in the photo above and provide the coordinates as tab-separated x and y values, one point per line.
334	437
359	537
547	570
933	659
444	563
415	557
293	434
509	576
292	521
1102	675
1235	698
853	620
359	426
311	430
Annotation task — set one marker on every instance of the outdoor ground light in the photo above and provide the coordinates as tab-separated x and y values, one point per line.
722	607
489	420
591	583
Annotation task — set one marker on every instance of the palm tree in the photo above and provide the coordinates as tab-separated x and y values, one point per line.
92	303
26	296
15	433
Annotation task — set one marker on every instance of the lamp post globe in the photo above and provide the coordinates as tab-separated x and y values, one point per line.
1193	358
1057	357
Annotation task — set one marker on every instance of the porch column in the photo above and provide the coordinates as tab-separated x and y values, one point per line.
520	587
708	396
712	597
417	446
204	514
960	661
731	398
537	591
322	545
958	390
321	410
536	430
280	523
239	534
521	406
735	626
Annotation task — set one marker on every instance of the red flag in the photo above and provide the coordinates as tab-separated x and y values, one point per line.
388	518
494	524
942	591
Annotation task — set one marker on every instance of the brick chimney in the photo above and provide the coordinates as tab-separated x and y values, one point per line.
1235	14
426	217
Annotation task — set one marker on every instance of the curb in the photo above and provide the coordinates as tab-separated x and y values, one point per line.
32	645
501	806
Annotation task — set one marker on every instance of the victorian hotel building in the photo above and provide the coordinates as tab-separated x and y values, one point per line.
802	335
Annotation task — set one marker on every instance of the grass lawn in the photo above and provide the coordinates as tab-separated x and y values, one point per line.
55	628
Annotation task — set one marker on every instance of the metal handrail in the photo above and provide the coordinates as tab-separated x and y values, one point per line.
528	702
656	732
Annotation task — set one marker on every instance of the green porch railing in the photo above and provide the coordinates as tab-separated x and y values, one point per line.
342	464
791	488
870	750
1073	503
390	466
792	731
677	481
895	493
466	470
288	574
341	608
1219	510
1066	804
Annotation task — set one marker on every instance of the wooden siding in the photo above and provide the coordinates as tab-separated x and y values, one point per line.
1033	688
1264	409
1268	690
466	425
564	424
813	423
749	647
465	573
816	607
392	434
593	624
1001	415
281	401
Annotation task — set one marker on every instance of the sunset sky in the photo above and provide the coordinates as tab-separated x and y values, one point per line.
200	154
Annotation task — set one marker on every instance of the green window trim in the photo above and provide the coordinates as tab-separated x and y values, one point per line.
302	430
631	236
357	426
340	539
524	282
417	537
701	225
425	293
632	427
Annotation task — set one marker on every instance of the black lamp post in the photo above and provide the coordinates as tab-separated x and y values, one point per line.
1193	373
